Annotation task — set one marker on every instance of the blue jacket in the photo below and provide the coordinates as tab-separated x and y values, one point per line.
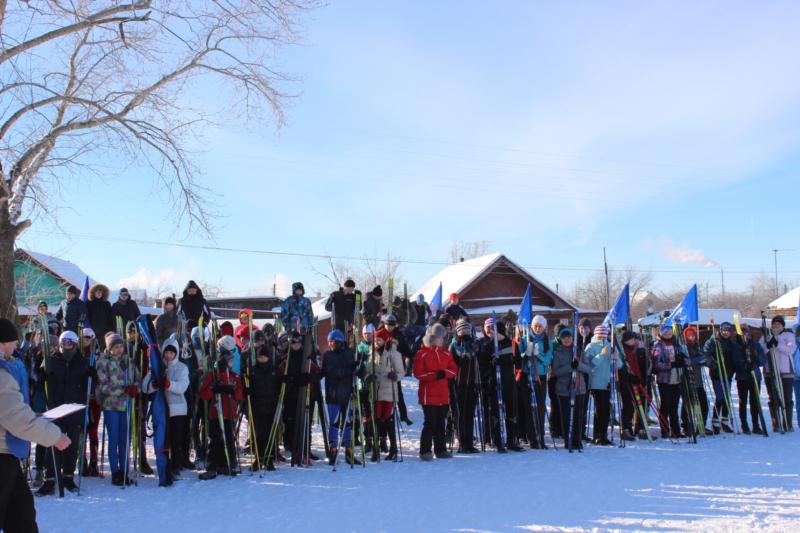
338	367
295	307
740	359
600	376
541	352
70	313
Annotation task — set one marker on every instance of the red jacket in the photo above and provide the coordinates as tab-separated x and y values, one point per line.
427	363
229	402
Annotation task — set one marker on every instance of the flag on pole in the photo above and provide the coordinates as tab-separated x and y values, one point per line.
526	307
621	311
436	302
687	311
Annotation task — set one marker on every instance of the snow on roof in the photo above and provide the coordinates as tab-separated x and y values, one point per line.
706	316
319	311
61	268
502	309
787	301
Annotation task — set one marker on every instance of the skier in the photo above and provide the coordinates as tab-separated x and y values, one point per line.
389	324
667	361
71	311
167	321
565	365
264	391
92	347
534	358
339	365
66	374
697	361
384	369
242	331
174	384
720	350
221	387
193	305
342	303
488	362
631	384
18	425
99	313
604	360
296	430
49	319
781	344
296	314
747	358
363	351
454	310
434	366
228	344
125	307
422	311
463	348
115	384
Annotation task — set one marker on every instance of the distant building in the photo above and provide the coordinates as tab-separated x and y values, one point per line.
40	277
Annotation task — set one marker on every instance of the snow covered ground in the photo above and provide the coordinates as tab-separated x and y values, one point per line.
723	483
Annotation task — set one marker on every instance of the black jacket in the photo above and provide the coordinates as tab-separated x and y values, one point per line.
338	367
66	383
264	387
193	307
129	311
344	306
70	312
101	318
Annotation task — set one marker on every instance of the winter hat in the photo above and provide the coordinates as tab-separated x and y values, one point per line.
437	331
73	290
296	336
124	292
383	334
226	328
170	345
283	338
389	319
565	331
420	298
298	285
488	322
42	304
666	328
168	300
690	330
258	336
586	323
726	326
453	296
349	283
377	291
227	343
68	336
463	327
88	332
368	329
601	330
540	320
8	331
779	319
628	335
112	339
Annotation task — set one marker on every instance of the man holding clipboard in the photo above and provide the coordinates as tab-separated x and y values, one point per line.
18	426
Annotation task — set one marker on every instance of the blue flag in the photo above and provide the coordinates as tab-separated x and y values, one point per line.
85	291
436	302
526	308
688	310
620	313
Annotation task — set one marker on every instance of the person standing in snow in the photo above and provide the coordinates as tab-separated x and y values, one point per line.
434	366
534	355
632	387
221	387
125	307
167	321
296	314
567	364
667	361
342	303
99	313
193	305
604	360
780	342
454	310
720	350
72	310
748	357
463	348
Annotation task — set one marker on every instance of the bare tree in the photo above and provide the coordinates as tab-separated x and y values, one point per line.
461	251
367	273
104	76
591	293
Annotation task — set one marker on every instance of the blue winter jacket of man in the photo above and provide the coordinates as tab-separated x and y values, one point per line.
295	307
337	368
600	377
70	313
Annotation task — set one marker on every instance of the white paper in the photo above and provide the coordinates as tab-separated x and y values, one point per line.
63	410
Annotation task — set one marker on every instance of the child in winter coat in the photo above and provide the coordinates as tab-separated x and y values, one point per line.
533	361
116	387
264	391
384	368
569	370
603	361
433	366
667	363
223	390
463	348
338	367
174	384
780	346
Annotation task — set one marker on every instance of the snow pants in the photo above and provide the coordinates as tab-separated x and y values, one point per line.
116	426
433	429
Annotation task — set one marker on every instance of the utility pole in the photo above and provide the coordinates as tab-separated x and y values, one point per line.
722	279
775	258
608	286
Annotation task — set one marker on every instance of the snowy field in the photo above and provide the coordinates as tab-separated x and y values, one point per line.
724	483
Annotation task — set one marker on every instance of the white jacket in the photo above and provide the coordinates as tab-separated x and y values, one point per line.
178	375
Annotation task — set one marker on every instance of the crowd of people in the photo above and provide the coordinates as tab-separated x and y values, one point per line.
496	384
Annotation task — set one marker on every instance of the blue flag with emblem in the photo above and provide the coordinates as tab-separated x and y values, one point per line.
620	313
436	302
85	298
526	307
687	311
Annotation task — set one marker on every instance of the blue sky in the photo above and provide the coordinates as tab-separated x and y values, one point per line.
666	132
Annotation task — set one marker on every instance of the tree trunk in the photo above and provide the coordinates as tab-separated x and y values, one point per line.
8	290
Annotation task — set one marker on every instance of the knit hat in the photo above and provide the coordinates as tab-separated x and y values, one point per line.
565	331
540	320
8	331
420	298
463	327
627	336
437	331
68	336
88	332
377	291
42	304
227	343
690	330
113	339
665	328
168	300
73	290
368	329
779	319
453	296
389	319
488	322
601	330
383	334
124	292
726	326
349	283
586	323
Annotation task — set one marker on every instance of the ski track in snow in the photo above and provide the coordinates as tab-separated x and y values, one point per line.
723	483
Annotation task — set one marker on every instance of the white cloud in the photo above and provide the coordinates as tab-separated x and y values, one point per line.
682	253
146	279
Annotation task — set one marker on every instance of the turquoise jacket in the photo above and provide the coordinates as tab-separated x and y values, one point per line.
600	377
541	352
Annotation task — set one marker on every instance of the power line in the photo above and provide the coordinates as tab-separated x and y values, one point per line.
307	255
